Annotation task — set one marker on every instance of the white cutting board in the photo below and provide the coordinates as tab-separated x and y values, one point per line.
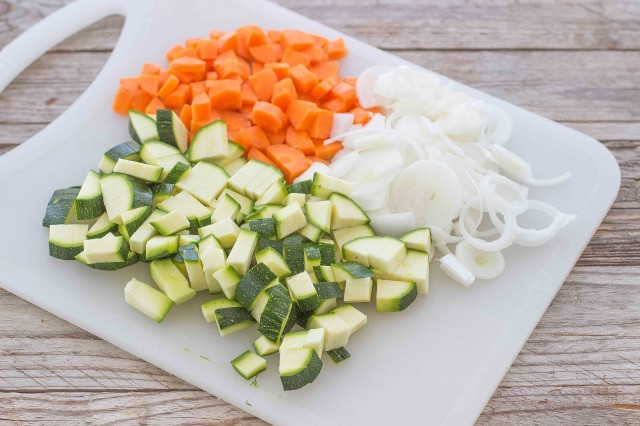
438	362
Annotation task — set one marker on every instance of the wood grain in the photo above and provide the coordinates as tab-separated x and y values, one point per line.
575	61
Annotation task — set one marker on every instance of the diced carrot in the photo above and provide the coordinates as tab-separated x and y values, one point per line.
315	159
360	116
216	34
274	35
201	106
253	137
303	79
328	151
153	106
225	94
336	49
284	92
297	39
351	81
180	96
242	49
212	75
122	101
247	111
263	82
149	83
151	68
320	41
207	49
140	100
233	68
324	87
164	76
255	154
197	124
192	42
326	69
188	64
268	116
169	86
293	57
189	52
321	126
301	114
228	41
315	54
223	56
280	68
335	105
171	54
345	93
235	119
184	77
198	88
252	35
291	161
256	67
130	84
249	96
186	115
276	138
299	139
264	53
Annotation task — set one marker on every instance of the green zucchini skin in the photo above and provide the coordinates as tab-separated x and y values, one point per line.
60	207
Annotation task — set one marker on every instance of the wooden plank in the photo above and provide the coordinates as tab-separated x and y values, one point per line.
417	24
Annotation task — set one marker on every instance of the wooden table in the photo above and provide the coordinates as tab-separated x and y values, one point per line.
575	61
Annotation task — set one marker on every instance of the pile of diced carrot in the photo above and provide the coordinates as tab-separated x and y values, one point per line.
277	91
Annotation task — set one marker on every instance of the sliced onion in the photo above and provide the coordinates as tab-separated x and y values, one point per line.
341	166
374	141
499	125
456	270
342	123
503	195
372	200
394	224
518	169
462	122
507	234
430	190
365	84
485	265
314	167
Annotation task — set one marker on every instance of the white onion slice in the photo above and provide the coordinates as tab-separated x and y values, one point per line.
507	236
372	200
314	167
485	265
499	125
375	141
394	224
342	123
503	195
430	190
456	270
365	84
341	166
520	170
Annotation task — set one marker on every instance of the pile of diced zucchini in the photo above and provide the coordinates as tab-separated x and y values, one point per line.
276	256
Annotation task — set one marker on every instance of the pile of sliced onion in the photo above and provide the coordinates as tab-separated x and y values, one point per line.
435	158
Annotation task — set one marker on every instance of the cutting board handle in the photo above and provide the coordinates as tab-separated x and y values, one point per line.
53	29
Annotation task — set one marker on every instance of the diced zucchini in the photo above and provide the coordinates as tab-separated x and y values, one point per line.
264	227
226	232
263	212
279	315
275	194
209	143
235	152
319	214
121	193
262	181
67	241
227	208
193	265
208	242
161	154
171	281
212	261
171	223
264	346
351	316
205	181
242	252
142	171
306	339
345	213
358	290
101	228
312	257
142	128
147	300
132	259
89	204
327	252
127	150
414	267
294	252
133	219
289	220
323	186
138	240
171	130
229	315
393	296
235	165
328	289
162	191
336	330
251	285
267	242
348	270
159	247
243	177
246	204
107	249
325	306
249	365
298	368
303	291
228	280
176	172
383	253
185	240
338	355
418	239
343	236
197	214
302	187
295	198
61	207
324	273
311	233
274	261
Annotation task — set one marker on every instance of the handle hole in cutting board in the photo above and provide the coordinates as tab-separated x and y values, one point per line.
51	84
